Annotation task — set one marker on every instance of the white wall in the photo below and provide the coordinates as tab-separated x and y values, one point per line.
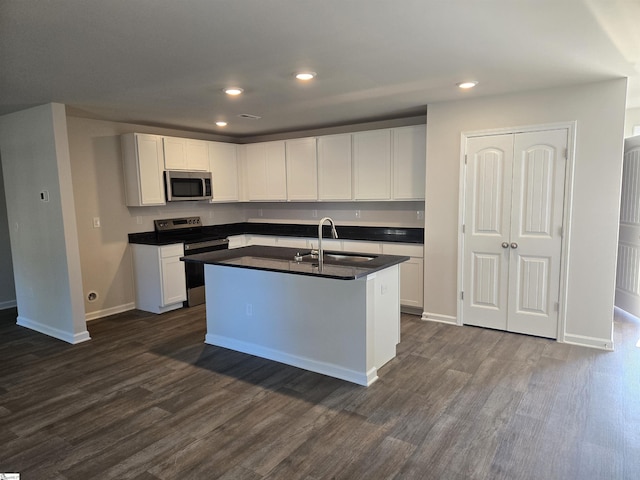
7	287
632	119
98	187
598	109
44	243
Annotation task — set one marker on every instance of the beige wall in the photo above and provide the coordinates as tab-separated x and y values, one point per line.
396	214
35	159
598	110
7	287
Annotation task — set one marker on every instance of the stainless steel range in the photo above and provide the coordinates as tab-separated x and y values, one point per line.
189	230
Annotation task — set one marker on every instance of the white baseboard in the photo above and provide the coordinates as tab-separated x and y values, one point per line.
63	335
437	317
109	311
592	342
8	304
361	378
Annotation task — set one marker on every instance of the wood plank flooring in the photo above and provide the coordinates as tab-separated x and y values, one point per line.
147	399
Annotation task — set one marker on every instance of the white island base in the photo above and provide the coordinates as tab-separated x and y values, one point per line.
346	329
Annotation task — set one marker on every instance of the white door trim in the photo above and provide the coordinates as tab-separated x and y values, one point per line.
566	221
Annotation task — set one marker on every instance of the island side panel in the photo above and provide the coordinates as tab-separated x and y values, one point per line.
386	314
318	324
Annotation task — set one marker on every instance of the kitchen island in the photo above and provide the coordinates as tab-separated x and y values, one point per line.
343	321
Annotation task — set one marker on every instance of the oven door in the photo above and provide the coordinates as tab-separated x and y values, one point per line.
194	272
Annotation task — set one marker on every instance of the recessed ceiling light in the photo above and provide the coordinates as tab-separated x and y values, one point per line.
221	124
233	91
305	76
466	85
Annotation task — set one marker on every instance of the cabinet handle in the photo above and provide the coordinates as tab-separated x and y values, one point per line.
514	245
505	245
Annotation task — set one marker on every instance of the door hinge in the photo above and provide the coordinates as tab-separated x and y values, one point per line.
463	228
465	158
461	295
566	153
557	306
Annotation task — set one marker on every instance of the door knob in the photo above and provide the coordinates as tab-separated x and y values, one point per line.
505	245
514	245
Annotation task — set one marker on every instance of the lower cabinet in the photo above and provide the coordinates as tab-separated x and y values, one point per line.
159	277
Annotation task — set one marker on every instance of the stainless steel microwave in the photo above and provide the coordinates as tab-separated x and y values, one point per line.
184	186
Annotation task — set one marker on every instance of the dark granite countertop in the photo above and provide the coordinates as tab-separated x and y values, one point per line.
281	259
346	232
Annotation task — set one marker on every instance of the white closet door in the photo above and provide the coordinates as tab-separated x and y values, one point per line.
536	232
514	200
487	213
628	273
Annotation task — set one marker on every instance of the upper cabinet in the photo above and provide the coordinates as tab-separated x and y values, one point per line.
334	167
372	165
223	163
266	171
143	163
302	169
185	154
375	165
409	162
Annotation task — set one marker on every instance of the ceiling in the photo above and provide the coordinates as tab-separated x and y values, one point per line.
165	62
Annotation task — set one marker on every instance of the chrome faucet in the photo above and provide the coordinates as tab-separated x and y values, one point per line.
334	234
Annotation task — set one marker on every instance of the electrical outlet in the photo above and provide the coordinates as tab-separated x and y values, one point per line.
314	213
357	213
249	309
259	212
139	220
96	222
420	214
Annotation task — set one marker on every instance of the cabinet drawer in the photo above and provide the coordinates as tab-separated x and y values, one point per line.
175	250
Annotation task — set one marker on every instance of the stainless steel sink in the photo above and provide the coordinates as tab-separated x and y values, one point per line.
345	257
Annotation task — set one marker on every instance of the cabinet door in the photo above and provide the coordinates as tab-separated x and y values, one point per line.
334	167
175	153
266	171
143	168
409	162
302	169
372	165
224	171
411	283
197	152
174	288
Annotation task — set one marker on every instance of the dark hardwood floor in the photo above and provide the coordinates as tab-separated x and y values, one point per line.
147	399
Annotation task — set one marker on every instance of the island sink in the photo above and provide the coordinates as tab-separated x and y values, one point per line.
347	257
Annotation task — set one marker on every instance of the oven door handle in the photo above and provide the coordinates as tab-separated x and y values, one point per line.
208	244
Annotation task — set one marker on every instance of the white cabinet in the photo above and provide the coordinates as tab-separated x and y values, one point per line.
223	164
372	165
302	169
266	171
143	164
409	162
159	277
185	154
411	273
334	167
